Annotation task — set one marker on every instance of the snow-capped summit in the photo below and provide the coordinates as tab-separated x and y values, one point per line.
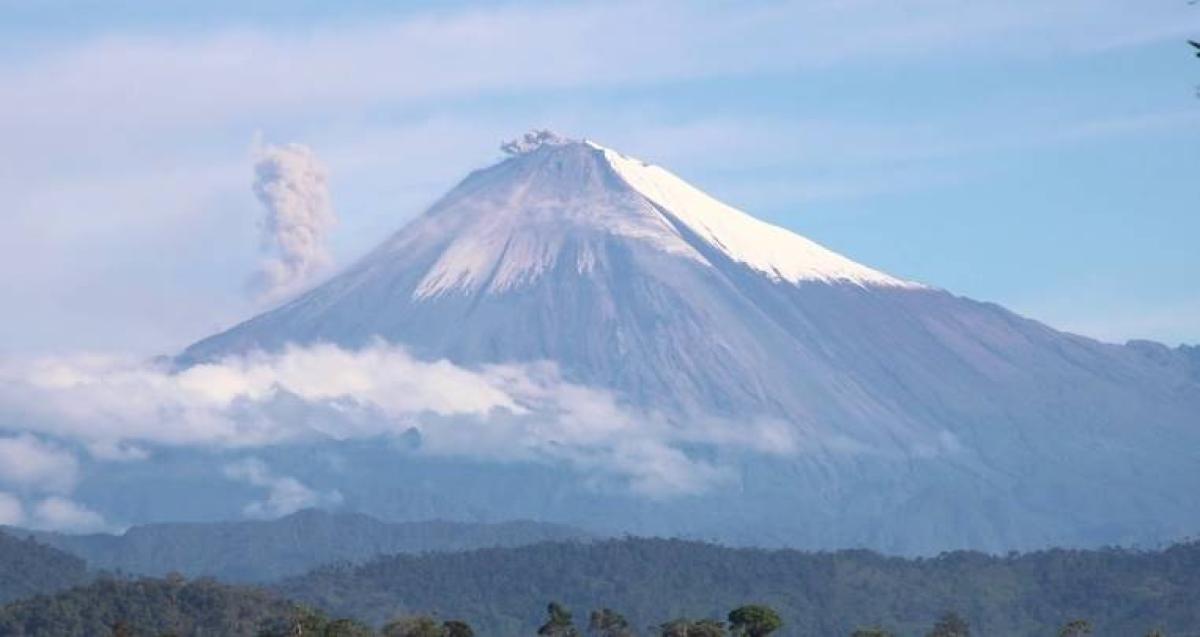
915	419
777	252
509	224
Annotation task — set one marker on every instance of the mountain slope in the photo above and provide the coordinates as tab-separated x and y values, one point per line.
29	568
263	550
957	422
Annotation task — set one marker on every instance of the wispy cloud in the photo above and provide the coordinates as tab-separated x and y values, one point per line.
146	83
39	476
285	494
62	514
12	512
32	464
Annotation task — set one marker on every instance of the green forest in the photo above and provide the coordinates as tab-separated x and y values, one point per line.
502	591
625	587
151	607
174	607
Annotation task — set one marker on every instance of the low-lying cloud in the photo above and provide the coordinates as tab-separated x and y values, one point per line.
28	463
56	513
285	494
119	410
63	514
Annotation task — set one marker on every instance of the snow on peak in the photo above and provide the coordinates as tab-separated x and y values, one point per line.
556	202
776	252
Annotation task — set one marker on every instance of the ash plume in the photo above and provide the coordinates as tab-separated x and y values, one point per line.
293	187
531	141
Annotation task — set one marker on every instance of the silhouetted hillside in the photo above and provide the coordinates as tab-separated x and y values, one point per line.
257	551
503	591
28	568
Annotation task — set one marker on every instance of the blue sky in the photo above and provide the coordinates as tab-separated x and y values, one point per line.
1041	155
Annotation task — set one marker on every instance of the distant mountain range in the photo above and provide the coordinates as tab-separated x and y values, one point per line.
901	417
259	551
28	568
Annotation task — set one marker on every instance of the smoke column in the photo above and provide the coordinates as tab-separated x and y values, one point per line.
293	187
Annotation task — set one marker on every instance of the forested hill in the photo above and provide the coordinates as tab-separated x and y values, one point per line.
259	551
503	591
149	607
28	568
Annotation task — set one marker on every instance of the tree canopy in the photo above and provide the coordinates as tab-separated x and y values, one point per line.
650	582
755	620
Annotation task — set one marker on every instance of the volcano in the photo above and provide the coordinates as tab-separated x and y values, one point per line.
926	420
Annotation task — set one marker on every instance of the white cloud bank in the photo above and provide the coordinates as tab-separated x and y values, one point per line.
117	408
293	187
